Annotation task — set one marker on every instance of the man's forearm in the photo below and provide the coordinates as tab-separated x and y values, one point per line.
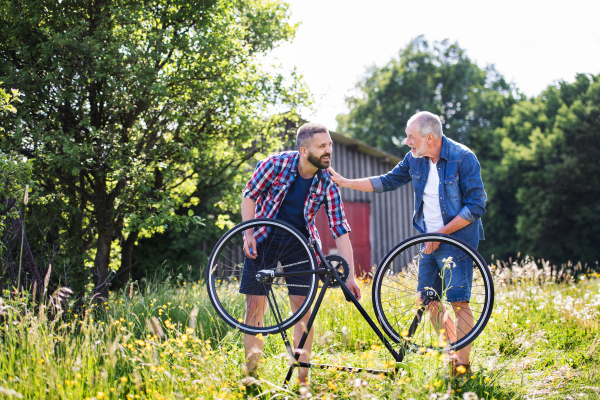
363	184
457	223
248	207
345	250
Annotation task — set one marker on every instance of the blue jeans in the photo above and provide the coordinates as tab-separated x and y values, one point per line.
451	279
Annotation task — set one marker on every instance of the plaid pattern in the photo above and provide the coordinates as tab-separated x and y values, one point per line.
269	185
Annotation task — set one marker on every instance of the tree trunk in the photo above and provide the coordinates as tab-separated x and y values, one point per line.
126	272
101	262
105	225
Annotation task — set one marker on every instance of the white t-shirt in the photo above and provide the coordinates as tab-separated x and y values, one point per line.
431	200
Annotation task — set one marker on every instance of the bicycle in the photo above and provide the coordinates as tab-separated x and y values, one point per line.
404	316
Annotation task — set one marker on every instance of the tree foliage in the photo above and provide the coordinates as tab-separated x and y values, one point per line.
133	110
15	173
540	160
439	78
548	182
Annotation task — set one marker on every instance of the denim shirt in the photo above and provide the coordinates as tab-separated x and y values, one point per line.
461	189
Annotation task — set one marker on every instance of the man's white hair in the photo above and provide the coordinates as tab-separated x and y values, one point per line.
427	123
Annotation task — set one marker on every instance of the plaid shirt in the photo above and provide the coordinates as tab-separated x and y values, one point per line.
270	183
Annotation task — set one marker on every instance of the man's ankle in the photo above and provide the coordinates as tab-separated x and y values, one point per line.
251	372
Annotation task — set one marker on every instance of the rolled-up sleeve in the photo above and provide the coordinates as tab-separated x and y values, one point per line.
261	179
377	184
471	185
335	212
397	177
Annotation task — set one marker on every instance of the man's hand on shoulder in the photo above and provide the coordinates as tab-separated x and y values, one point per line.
363	184
337	178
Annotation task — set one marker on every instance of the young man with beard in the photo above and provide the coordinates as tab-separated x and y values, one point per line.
449	198
306	183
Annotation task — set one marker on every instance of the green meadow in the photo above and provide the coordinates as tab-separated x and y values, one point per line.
163	340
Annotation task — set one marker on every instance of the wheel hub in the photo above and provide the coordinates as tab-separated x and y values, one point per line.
265	275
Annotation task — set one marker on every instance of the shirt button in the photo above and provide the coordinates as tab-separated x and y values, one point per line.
440	197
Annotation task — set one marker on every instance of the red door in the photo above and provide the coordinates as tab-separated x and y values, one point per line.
358	216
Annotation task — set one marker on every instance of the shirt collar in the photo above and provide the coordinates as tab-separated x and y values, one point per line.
294	165
324	174
445	150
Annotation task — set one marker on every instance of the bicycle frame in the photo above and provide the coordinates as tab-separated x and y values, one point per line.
331	274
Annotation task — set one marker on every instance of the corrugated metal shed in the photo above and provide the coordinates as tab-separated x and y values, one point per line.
390	213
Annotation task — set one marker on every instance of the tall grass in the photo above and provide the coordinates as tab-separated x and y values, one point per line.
164	340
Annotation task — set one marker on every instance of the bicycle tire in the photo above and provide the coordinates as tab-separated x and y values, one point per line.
226	266
393	286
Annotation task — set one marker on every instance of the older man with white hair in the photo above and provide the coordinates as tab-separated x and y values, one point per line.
449	198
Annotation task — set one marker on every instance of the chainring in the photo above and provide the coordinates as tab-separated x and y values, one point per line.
341	265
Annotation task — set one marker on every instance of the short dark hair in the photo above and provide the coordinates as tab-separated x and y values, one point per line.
306	132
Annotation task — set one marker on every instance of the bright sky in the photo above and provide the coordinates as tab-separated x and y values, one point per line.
532	43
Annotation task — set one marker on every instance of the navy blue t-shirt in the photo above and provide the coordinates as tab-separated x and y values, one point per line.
292	207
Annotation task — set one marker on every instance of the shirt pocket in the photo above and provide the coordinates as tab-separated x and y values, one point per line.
316	198
414	175
276	193
452	187
315	201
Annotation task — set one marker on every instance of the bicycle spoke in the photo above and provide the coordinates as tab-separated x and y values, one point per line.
409	272
269	305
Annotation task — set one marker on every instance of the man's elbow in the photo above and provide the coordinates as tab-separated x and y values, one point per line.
342	238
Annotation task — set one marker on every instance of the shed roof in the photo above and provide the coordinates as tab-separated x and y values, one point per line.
364	148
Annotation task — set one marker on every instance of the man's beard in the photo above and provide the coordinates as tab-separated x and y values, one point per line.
316	161
419	153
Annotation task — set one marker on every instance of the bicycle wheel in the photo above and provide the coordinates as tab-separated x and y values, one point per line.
271	304
413	293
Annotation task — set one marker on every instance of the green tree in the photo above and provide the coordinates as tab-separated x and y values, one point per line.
439	78
471	101
550	173
15	174
132	110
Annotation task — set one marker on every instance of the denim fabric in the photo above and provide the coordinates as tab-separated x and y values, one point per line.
461	188
441	271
